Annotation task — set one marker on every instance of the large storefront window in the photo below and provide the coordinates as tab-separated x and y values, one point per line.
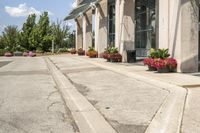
111	23
145	26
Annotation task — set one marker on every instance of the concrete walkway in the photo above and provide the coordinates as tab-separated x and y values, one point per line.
190	120
29	99
134	100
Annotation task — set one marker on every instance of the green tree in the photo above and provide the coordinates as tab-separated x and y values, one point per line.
10	38
44	32
27	29
71	40
60	33
40	37
1	43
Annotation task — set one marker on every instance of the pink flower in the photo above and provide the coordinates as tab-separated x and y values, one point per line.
32	54
166	63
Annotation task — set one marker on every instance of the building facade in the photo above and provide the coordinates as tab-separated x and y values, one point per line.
140	25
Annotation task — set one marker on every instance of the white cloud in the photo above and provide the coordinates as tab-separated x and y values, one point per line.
2	27
22	10
73	4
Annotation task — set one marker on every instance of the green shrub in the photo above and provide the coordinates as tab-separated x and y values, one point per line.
159	53
2	52
39	50
111	50
163	53
91	49
62	50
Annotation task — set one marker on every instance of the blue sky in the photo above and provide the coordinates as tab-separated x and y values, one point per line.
14	12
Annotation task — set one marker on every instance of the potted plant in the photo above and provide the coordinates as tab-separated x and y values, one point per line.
8	54
166	65
172	64
154	57
161	65
32	54
105	54
92	53
73	51
110	54
115	57
18	51
150	63
25	53
81	51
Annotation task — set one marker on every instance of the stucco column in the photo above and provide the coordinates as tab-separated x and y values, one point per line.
127	27
189	36
87	30
96	27
79	33
178	31
164	23
101	26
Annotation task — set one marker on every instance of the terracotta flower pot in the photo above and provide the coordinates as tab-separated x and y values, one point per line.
115	57
73	51
81	52
92	54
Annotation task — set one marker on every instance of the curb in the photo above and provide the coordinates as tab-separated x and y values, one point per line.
168	118
87	118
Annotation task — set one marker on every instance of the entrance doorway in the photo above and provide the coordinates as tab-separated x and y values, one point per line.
145	30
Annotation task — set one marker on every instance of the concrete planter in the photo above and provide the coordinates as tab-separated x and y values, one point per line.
163	70
18	53
32	54
150	68
8	54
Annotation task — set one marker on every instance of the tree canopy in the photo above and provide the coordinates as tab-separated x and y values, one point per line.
36	35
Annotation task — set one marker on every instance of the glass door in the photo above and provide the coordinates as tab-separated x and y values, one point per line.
145	30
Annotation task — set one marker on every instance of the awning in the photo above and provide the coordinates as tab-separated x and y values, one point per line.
83	7
87	1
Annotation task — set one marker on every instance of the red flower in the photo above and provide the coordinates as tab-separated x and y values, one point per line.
149	62
166	63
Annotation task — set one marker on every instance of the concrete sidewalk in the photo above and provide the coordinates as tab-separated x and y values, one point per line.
190	122
132	99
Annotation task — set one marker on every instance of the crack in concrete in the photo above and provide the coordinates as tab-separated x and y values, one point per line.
183	112
51	93
52	104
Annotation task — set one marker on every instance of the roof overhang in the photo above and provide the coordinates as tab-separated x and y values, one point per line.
84	6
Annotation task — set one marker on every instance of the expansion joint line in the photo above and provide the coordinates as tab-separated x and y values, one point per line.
184	106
